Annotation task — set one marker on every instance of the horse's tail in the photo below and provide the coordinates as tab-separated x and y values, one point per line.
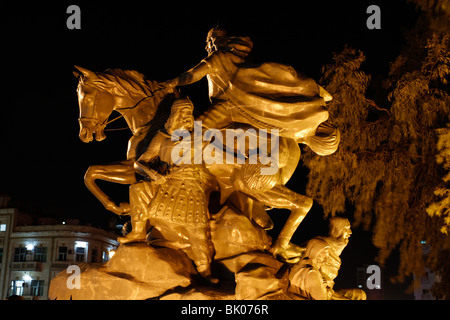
325	141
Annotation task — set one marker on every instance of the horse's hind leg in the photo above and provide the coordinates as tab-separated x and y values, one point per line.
283	198
283	245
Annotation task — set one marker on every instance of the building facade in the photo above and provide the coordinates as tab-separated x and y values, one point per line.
424	283
32	254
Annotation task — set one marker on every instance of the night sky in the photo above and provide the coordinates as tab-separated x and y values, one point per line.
43	162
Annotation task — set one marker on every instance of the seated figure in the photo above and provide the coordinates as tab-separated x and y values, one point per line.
313	277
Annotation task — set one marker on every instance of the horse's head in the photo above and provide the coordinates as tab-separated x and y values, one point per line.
95	106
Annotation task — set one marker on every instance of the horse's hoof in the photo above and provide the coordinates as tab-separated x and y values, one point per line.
291	254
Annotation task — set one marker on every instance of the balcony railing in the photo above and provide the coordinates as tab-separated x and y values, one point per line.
60	265
26	266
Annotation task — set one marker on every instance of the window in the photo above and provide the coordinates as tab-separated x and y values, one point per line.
80	254
1	255
80	251
16	287
40	254
2	227
62	253
37	287
20	254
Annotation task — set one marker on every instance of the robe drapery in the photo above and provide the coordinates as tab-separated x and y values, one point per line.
270	95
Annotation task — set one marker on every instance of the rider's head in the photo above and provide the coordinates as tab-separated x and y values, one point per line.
215	39
181	116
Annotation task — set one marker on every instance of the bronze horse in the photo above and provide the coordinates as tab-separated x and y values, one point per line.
137	100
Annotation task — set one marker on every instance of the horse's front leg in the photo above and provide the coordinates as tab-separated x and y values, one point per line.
120	172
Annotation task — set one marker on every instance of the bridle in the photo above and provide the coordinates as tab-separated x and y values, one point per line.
96	122
93	115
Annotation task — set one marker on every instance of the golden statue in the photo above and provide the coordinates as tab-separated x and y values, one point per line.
169	198
178	208
268	96
136	99
307	277
313	277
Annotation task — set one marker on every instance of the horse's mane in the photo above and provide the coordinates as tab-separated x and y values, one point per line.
123	83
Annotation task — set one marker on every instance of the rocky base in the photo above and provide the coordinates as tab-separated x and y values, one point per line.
139	271
136	271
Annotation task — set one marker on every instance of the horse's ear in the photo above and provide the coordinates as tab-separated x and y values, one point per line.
84	71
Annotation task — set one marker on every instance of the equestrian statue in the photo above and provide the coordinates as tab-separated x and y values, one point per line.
171	187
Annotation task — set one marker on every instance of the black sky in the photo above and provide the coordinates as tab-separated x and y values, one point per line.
42	160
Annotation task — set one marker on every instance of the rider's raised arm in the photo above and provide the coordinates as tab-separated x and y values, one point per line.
193	75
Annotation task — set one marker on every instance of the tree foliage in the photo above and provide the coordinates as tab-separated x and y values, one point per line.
385	168
441	207
432	6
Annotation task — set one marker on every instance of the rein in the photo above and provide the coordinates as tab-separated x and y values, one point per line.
106	122
128	109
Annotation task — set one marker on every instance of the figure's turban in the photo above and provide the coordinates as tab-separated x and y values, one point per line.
215	33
